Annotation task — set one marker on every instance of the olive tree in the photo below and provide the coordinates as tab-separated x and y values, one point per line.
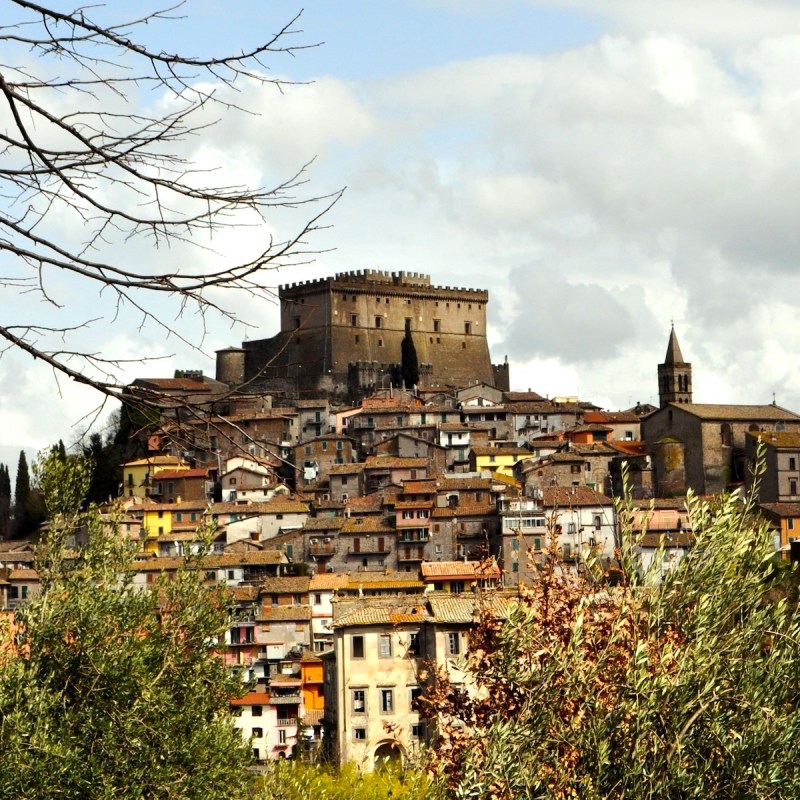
663	689
108	690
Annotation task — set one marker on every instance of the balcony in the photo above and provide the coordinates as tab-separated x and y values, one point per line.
286	723
420	539
284	699
321	549
408	555
369	549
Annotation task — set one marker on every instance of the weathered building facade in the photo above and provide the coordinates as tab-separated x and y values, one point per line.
343	334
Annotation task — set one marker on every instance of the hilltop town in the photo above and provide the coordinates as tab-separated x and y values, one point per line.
370	474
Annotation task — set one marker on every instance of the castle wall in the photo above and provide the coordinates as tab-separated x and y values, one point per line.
330	323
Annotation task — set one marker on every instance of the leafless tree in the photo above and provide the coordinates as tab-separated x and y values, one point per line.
78	153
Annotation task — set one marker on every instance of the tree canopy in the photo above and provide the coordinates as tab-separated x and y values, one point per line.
680	688
108	690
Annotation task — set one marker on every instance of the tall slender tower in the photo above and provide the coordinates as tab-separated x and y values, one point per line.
674	375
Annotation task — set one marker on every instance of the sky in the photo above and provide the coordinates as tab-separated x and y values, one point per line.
604	169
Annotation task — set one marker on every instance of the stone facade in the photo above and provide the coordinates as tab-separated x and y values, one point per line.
353	324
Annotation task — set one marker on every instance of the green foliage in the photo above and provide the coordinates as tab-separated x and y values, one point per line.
294	780
108	690
680	689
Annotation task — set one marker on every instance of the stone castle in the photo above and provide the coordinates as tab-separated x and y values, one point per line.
342	335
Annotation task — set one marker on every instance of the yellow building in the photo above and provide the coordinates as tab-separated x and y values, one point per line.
499	460
137	476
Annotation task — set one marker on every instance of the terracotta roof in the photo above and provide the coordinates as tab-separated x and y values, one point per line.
365	504
244	593
480	450
523	397
778	438
285	614
655	540
169	475
593	448
289	584
366	525
455	484
395	462
460	570
420	487
406	504
380	615
155	461
23	575
233	559
251	699
767	413
269	507
328	580
463	608
454	426
783	510
383	580
314	716
314	524
345	469
466	510
570	496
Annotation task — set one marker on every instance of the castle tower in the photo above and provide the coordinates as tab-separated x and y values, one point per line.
674	375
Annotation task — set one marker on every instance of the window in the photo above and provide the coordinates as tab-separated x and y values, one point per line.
257	711
598	522
793	463
340	445
790	524
387	701
256	754
415	644
515	544
178	516
357	647
380	342
792	486
258	732
414	693
453	643
378	322
468	328
354	320
318	599
385	645
281	735
359	701
360	734
417	730
437	326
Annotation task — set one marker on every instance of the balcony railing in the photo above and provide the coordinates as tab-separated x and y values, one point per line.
284	699
421	539
411	555
322	549
369	549
285	723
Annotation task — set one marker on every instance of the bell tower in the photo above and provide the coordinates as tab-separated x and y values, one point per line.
674	375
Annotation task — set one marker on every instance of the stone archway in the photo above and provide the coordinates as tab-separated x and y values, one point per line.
388	753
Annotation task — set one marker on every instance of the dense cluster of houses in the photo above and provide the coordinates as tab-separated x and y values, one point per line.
358	541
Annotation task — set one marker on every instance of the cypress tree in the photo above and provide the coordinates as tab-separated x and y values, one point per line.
22	490
409	364
5	502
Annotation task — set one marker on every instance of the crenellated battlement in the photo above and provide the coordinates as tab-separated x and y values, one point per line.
375	279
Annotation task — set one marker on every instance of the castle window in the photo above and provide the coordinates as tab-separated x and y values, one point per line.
353	298
380	342
354	320
357	339
437	325
387	301
463	345
438	340
408	323
378	321
468	328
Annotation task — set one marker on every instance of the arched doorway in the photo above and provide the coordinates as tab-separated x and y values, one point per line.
388	753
